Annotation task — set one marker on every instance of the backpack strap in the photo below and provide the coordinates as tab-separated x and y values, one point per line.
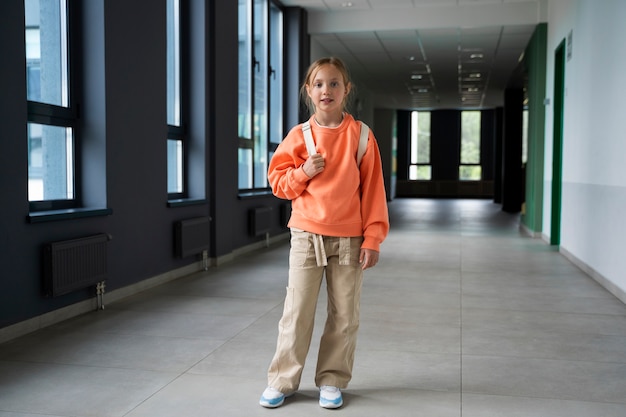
310	143
365	132
308	138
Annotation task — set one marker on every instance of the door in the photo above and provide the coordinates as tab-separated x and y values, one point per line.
557	148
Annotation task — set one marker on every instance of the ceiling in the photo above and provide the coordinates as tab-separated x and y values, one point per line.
425	54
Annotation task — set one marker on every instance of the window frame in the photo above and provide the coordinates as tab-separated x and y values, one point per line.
62	116
260	126
179	132
275	75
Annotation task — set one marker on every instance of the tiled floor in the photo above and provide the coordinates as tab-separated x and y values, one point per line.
462	317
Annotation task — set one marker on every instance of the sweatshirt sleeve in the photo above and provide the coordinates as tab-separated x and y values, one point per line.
285	174
373	198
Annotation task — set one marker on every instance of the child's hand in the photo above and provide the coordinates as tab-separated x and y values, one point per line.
314	165
368	258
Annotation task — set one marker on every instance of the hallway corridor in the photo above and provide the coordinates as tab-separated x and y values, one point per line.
463	317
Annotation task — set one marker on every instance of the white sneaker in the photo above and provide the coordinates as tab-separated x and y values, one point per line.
330	397
272	398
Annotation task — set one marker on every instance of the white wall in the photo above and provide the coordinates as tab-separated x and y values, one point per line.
593	226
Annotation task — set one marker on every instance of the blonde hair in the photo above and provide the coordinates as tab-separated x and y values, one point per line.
313	68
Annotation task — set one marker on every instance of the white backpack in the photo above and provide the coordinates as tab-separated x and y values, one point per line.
310	144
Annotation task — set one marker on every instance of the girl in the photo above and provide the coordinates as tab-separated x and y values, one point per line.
338	221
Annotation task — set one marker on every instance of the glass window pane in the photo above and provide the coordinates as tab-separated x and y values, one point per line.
245	168
174	166
173	63
245	69
47	71
423	137
276	74
420	137
260	157
470	137
261	57
424	172
50	162
470	173
420	172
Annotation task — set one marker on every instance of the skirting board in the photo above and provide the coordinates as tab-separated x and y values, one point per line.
527	232
599	278
595	275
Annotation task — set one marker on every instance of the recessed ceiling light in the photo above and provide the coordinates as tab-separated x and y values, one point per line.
346	4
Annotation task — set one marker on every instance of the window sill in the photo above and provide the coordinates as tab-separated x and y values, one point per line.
67	214
183	202
253	194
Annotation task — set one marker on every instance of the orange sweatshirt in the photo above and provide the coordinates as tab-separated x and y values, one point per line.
344	200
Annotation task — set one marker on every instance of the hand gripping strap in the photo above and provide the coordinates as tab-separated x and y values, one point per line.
310	144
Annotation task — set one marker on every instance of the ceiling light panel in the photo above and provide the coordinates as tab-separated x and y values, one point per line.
347	5
386	4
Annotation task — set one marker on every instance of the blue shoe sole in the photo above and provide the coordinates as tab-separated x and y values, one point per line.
331	404
274	403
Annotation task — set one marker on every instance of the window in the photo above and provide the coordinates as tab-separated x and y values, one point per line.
276	76
260	90
419	167
52	136
245	95
176	138
470	169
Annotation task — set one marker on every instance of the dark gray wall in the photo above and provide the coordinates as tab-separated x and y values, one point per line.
512	172
123	109
385	122
445	146
18	267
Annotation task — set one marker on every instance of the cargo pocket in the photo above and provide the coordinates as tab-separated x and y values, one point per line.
302	250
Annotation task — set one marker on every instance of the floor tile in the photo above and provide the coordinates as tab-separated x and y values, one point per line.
127	351
498	406
545	378
68	390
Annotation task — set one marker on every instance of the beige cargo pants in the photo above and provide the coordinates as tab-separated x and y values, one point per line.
311	255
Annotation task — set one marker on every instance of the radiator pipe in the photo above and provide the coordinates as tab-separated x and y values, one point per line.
100	288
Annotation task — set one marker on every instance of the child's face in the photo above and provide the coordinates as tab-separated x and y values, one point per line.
327	89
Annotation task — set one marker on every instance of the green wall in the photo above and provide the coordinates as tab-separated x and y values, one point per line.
535	66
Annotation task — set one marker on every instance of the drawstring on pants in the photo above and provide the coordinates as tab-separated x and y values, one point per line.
320	251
